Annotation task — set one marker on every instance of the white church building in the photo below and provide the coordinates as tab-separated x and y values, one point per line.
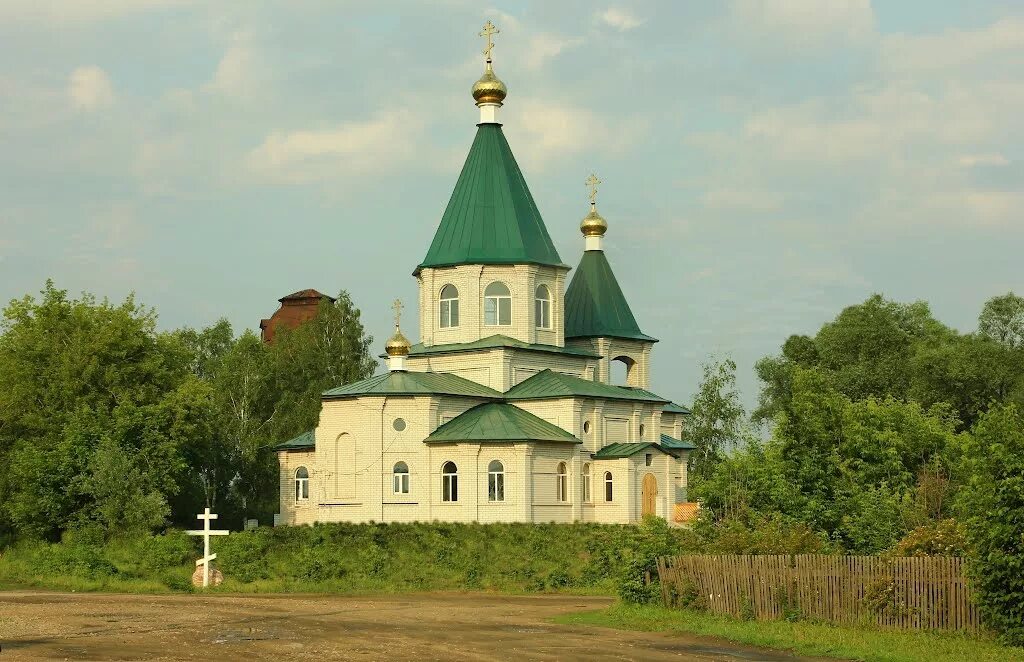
505	410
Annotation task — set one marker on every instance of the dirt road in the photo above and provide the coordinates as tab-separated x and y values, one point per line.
40	625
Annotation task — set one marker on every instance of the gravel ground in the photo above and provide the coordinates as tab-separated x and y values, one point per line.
434	626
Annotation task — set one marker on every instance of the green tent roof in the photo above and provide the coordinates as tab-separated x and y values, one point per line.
413	383
304	441
501	422
615	451
491	217
550	384
676	444
595	305
497	340
673	408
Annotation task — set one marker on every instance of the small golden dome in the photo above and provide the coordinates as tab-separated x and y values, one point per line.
489	89
398	344
593	224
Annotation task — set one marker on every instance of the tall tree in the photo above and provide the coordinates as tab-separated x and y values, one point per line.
72	372
1002	320
717	416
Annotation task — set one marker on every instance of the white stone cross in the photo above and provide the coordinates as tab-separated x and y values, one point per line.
206	532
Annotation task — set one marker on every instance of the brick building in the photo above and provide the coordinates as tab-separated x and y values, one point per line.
296	308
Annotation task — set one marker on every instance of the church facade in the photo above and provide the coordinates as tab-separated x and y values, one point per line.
505	411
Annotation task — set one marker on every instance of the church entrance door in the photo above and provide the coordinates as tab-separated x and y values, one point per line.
650	491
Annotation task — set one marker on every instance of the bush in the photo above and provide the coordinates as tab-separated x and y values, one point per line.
79	554
171	549
942	538
993	500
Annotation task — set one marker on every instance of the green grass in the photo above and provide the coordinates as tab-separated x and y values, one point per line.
803	638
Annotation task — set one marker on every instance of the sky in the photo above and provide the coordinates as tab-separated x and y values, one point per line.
765	164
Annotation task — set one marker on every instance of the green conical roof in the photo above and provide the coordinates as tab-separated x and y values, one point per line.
595	305
491	217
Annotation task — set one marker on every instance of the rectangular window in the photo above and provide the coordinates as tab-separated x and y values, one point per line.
649	459
504	311
542	313
450	488
302	489
496	487
608	488
498	311
401	483
586	488
563	488
449	313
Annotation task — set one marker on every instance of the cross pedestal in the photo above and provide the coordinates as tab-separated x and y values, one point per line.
206	532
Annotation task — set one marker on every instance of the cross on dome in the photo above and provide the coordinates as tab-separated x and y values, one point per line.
397	306
489	30
592	182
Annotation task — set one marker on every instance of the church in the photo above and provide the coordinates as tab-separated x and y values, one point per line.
505	411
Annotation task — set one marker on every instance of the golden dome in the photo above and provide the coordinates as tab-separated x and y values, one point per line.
489	89
398	344
593	224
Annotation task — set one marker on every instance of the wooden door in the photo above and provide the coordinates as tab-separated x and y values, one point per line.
650	493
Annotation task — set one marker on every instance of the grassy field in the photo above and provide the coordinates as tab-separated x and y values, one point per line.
804	638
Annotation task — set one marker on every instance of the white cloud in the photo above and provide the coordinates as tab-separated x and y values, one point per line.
940	53
804	24
89	88
545	46
553	130
372	146
80	11
620	19
972	160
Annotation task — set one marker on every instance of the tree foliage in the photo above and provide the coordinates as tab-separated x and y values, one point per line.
993	507
106	421
716	422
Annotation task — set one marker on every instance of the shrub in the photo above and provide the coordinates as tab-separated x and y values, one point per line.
79	554
942	538
171	549
993	500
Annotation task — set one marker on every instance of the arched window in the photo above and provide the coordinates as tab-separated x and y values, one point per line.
642	430
401	478
562	483
607	486
301	484
449	482
497	305
586	483
495	481
542	307
449	306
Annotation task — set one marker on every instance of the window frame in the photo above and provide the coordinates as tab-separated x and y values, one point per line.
562	483
448	308
609	489
449	482
301	484
498	300
495	481
542	307
400	479
586	483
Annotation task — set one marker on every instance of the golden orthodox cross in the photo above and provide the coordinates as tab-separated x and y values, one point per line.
592	183
489	30
397	307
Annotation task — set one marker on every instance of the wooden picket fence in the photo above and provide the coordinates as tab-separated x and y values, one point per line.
919	593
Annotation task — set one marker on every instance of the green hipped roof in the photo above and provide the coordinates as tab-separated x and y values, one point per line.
304	441
499	422
413	383
615	451
497	340
550	384
676	444
491	217
595	305
673	408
